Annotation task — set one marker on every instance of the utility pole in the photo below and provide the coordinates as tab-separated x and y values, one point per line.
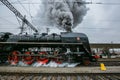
22	27
112	47
47	30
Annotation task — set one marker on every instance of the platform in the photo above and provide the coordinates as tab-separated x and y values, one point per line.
112	69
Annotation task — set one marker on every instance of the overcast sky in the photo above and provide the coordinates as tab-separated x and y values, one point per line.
101	23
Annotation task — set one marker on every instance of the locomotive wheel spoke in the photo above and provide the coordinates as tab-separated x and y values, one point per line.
28	59
42	58
13	58
59	59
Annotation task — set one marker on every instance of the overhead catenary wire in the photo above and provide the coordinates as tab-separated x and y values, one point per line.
17	13
85	28
18	20
7	20
92	3
30	17
23	6
85	20
28	11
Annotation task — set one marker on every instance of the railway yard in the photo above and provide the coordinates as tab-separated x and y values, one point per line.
41	52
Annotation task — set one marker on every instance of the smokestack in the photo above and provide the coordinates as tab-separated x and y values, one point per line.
64	14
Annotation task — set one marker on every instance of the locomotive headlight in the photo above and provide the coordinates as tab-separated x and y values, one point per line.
78	38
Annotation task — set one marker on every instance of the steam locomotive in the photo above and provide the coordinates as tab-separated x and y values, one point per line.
42	48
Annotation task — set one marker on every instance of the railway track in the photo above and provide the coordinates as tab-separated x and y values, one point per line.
14	76
109	59
107	62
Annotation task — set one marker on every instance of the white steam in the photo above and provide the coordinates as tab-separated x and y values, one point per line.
50	64
64	14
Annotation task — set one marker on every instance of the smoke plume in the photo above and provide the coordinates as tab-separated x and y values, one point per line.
64	14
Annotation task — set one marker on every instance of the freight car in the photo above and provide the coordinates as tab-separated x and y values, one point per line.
65	47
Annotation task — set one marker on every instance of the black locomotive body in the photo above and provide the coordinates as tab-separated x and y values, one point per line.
67	47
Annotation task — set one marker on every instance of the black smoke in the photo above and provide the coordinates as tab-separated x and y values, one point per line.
64	14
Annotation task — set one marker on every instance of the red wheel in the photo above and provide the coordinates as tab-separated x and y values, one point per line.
42	59
13	57
28	59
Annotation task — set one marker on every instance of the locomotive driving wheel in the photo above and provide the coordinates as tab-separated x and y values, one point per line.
59	58
28	58
13	57
42	58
